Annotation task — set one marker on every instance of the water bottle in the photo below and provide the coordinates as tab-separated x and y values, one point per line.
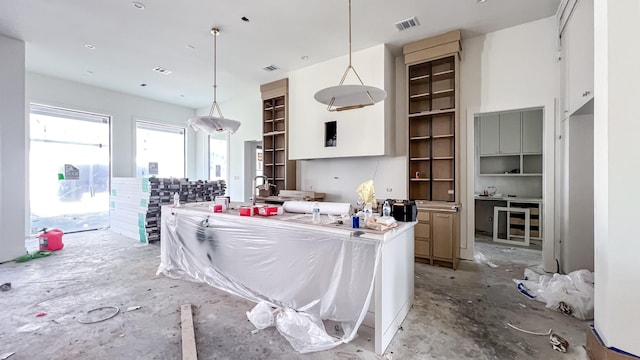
316	213
176	199
386	209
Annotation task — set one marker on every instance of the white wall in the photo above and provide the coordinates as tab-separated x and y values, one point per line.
12	149
514	68
124	111
617	170
360	132
338	178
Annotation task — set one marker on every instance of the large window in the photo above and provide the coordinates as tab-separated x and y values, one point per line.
219	156
159	150
68	169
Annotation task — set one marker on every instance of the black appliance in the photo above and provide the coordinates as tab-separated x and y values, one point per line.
404	210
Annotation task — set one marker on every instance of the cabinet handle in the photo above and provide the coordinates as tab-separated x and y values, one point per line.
443	216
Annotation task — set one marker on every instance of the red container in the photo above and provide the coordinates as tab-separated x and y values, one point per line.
248	210
51	240
268	210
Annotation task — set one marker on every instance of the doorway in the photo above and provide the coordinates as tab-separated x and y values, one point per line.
253	166
508	199
69	164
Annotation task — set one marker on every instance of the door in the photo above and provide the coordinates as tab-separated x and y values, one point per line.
510	132
489	132
68	169
442	235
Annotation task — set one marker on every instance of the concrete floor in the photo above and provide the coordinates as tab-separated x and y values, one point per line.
457	314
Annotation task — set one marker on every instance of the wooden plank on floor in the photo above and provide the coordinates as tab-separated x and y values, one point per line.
189	351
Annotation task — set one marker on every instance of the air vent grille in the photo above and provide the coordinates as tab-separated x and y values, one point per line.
270	68
407	23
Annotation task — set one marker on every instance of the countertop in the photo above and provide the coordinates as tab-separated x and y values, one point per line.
507	198
302	221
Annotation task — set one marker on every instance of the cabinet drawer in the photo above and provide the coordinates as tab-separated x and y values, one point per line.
423	248
424	216
423	230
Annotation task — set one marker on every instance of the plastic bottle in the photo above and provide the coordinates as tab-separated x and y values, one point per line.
386	208
368	212
316	213
176	199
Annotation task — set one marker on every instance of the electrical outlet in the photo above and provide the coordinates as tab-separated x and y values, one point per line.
490	218
309	187
389	189
450	191
236	177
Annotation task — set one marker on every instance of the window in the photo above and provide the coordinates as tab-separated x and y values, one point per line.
68	169
219	157
160	150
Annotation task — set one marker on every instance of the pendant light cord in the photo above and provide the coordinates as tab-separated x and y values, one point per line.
350	34
215	106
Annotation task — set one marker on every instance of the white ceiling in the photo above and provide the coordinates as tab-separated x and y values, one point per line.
130	42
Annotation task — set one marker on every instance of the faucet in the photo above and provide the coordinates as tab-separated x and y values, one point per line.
265	182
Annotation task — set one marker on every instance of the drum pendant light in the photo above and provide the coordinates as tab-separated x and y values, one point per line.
211	123
348	97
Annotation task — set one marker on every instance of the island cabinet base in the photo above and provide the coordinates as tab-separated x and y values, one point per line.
394	290
353	278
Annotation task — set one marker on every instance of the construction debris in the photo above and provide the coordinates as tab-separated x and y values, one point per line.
559	343
5	286
189	351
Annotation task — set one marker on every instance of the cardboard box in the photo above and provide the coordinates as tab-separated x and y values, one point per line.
248	210
268	210
598	351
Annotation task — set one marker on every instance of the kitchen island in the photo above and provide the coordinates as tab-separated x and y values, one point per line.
340	275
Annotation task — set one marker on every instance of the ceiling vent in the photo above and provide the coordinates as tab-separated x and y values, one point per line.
270	68
407	23
162	70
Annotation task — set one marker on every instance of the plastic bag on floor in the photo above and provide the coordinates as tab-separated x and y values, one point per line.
305	331
572	293
261	315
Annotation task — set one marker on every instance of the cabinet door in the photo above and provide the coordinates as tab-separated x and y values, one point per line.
532	132
579	32
489	134
442	235
510	133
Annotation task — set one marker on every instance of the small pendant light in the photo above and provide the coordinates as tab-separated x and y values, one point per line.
211	123
348	97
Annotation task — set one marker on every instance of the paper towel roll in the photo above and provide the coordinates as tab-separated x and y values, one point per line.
306	207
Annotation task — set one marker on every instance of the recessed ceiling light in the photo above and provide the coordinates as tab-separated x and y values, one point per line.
161	70
480	1
143	84
245	19
305	57
90	46
138	5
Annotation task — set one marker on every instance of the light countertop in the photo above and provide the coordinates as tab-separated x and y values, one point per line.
500	197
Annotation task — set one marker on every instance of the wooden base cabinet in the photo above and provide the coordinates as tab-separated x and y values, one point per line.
436	238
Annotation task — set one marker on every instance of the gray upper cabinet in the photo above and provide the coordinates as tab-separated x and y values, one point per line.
489	134
510	133
532	132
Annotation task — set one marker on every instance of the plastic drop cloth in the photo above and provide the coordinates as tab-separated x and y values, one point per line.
575	290
308	275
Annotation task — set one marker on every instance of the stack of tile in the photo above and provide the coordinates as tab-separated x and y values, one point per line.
136	203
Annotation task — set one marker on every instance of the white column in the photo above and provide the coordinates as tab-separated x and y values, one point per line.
13	159
617	173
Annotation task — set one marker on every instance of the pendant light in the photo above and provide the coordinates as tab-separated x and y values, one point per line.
348	97
211	123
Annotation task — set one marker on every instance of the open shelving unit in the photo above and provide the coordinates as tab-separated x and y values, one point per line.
432	129
277	167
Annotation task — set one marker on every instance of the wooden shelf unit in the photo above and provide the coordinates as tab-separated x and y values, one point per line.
432	136
276	164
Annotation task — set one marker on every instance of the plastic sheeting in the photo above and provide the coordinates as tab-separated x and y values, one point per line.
306	207
571	294
307	274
